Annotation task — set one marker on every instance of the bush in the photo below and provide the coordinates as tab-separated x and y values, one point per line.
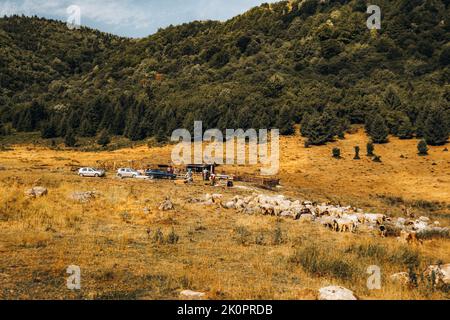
242	234
172	238
423	148
69	139
48	131
278	236
377	129
158	237
321	262
370	250
336	153
405	129
357	150
320	128
104	139
435	233
436	129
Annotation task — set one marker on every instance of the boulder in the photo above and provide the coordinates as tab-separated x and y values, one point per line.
36	192
166	205
336	293
83	197
192	295
401	277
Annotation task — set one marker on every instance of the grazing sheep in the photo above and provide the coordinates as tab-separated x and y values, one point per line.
375	218
327	222
344	225
409	237
228	205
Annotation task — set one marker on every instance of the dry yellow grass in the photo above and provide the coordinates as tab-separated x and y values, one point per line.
222	253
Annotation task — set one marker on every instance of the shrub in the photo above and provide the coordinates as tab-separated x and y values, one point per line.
259	240
242	234
423	148
370	250
405	256
336	153
104	139
158	237
436	128
278	236
435	233
357	151
405	129
320	128
321	262
172	238
69	139
377	129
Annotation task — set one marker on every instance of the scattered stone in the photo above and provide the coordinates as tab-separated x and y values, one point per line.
400	277
166	205
336	293
84	197
146	210
36	192
192	295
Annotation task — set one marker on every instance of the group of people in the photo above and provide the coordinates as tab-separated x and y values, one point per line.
206	175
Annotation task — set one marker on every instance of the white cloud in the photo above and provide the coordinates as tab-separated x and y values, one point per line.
102	11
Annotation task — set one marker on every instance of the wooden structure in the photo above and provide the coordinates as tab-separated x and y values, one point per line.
259	180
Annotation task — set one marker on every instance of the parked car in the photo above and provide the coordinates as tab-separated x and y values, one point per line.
127	173
91	172
159	174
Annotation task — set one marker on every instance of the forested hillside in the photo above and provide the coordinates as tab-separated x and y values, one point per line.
310	62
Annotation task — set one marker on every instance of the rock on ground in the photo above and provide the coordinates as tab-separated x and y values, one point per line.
36	192
83	196
166	205
189	294
336	293
401	277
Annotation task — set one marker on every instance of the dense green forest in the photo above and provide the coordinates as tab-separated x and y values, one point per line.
310	62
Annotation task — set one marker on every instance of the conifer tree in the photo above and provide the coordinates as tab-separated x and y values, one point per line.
436	128
104	139
377	129
422	147
70	139
285	123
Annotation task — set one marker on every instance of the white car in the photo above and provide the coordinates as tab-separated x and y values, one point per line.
91	172
127	173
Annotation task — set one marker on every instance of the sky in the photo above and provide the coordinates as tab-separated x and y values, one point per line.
131	18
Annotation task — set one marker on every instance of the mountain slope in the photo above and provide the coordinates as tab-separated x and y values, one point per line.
265	68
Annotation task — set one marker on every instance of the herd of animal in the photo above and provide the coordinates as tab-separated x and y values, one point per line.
335	217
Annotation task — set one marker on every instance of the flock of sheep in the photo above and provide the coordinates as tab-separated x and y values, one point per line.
334	217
